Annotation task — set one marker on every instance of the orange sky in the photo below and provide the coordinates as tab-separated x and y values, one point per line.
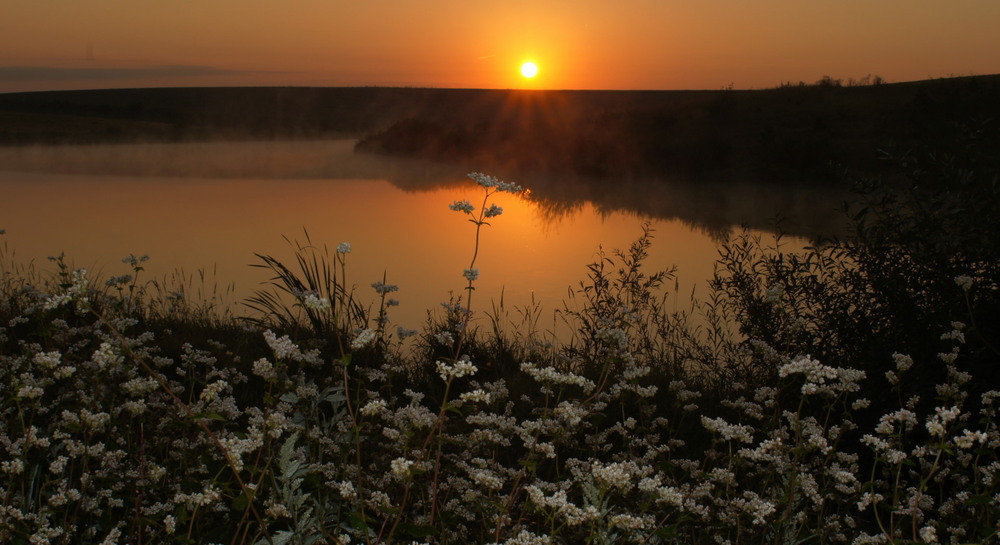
577	44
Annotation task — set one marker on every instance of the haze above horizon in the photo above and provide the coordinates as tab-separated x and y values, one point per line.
586	44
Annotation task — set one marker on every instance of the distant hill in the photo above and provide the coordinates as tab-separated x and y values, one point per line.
802	132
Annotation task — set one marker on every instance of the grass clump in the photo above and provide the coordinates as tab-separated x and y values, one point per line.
844	394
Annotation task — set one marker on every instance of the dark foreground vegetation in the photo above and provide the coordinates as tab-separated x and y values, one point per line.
845	394
801	133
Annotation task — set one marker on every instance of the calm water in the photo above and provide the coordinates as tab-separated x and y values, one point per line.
213	206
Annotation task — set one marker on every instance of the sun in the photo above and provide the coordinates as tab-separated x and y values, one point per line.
529	69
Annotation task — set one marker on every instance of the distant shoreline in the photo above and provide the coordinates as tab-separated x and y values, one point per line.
794	132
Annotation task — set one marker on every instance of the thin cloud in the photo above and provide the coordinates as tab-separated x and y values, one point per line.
52	73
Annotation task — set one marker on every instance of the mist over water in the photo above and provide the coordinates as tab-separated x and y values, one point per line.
212	206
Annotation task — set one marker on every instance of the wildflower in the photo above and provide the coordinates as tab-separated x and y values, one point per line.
318	304
461	368
928	534
462	206
363	339
278	510
403	333
628	522
492	211
105	356
903	362
169	524
818	375
211	391
445	338
118	280
493	182
938	423
374	407
346	489
527	538
969	438
617	475
756	507
868	499
382	288
728	431
77	291
264	368
955	334
964	282
47	360
471	274
548	375
401	467
112	537
134	261
475	396
282	347
13	467
344	248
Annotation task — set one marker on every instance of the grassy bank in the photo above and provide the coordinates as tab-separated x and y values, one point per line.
846	394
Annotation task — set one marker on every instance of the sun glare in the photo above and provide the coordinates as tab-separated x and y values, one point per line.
529	69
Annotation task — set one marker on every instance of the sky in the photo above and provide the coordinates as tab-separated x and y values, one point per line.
576	44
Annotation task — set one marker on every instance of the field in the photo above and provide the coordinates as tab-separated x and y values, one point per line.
845	394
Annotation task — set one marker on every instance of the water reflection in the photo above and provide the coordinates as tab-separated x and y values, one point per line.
805	209
214	205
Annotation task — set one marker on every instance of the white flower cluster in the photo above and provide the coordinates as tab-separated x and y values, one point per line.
374	407
970	438
462	206
615	475
524	537
344	248
471	274
462	367
105	356
548	375
400	467
77	291
285	349
206	497
561	506
818	375
263	368
314	302
475	396
444	338
212	391
382	288
363	339
755	506
493	182
47	360
964	282
937	424
728	431
887	424
493	211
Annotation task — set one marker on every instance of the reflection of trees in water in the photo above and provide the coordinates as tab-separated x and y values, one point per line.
714	208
